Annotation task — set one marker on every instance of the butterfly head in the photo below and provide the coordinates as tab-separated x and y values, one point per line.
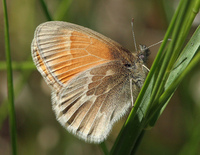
143	53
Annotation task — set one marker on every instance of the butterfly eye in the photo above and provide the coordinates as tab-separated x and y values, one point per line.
127	65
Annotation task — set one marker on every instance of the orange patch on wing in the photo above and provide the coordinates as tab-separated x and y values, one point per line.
92	45
65	56
57	57
76	33
100	49
70	74
85	52
73	54
82	62
79	38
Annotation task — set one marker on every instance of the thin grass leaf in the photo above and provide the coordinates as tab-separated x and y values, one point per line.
167	9
181	68
25	65
3	112
11	107
46	11
104	148
188	19
174	48
134	124
184	59
184	55
62	9
138	119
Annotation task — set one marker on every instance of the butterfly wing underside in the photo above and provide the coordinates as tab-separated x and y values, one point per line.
93	101
90	85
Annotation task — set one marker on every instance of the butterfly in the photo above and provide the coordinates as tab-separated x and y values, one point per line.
93	79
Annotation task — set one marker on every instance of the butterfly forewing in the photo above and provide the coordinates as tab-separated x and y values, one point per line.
63	50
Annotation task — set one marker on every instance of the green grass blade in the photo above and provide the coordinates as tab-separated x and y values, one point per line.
25	65
46	11
104	148
184	59
188	19
62	9
11	107
181	68
3	112
166	95
164	72
183	36
134	124
139	116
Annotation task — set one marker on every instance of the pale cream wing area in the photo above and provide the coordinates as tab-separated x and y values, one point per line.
94	100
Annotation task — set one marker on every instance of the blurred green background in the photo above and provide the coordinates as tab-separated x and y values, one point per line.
176	132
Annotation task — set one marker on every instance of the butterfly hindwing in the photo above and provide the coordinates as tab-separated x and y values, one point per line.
95	99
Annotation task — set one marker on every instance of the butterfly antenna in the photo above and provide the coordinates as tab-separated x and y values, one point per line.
155	44
133	35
